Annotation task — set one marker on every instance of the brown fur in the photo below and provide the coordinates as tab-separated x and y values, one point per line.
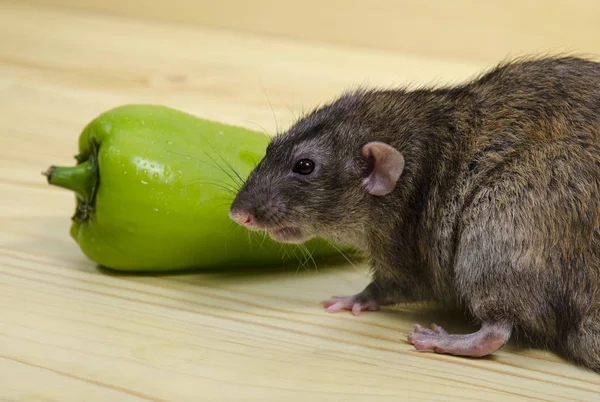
497	209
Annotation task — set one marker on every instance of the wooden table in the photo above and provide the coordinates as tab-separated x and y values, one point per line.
70	332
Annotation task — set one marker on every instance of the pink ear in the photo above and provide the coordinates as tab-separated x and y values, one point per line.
386	164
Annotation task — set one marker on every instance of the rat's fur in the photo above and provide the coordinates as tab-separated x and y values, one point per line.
497	209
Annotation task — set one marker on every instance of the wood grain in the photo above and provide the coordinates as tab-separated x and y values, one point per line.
70	332
482	31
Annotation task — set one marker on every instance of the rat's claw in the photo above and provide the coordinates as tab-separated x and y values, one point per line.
438	330
334	307
435	330
329	303
352	303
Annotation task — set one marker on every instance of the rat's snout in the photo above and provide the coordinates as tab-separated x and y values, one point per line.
242	216
255	207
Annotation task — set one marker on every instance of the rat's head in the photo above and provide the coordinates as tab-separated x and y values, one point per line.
316	178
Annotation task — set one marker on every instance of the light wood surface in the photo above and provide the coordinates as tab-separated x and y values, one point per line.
482	31
69	332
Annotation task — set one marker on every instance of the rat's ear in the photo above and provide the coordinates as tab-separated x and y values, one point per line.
385	165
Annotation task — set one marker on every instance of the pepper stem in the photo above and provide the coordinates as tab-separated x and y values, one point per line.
82	179
79	179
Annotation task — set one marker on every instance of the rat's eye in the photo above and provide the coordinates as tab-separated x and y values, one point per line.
304	166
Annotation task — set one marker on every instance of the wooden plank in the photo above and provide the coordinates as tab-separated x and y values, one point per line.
467	29
70	332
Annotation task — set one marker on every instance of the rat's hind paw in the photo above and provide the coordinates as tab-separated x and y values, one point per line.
420	331
483	342
353	303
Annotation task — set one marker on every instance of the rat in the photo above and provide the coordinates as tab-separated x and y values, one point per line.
483	196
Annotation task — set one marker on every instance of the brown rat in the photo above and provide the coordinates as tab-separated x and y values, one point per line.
483	196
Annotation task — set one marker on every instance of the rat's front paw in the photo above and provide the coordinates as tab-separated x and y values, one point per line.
354	303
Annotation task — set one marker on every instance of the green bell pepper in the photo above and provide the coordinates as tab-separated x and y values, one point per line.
153	187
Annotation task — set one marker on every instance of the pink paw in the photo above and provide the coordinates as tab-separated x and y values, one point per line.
353	303
478	344
427	339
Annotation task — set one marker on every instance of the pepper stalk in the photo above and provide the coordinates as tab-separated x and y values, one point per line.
82	179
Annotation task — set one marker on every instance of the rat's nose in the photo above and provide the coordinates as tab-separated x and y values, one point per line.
242	217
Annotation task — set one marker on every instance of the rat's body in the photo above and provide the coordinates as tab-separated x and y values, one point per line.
485	196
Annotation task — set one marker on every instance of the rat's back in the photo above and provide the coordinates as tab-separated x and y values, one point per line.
549	97
528	220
